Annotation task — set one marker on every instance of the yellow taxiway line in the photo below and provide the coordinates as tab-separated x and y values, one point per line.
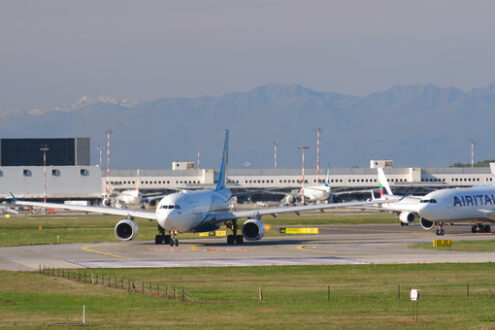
88	248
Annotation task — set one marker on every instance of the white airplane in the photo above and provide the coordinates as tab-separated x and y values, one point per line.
458	205
471	204
130	197
197	211
407	208
315	193
6	209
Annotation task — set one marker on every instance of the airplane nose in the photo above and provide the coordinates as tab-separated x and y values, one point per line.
426	211
169	220
163	218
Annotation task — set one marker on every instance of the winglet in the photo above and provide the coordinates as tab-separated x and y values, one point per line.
225	162
13	197
405	195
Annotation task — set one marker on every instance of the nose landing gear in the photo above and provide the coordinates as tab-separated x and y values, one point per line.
440	230
174	240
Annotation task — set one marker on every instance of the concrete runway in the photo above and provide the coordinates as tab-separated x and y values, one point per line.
357	244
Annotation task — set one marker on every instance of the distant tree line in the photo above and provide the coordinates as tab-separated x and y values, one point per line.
483	163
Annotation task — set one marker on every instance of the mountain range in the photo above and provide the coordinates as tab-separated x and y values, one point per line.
415	125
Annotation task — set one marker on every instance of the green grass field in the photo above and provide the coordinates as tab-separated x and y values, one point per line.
362	297
25	230
468	246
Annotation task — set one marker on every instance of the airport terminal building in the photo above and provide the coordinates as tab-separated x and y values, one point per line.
88	182
69	174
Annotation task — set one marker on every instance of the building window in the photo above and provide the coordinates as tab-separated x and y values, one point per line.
84	172
55	172
27	173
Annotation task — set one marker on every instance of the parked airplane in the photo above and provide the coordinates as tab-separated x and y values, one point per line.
197	211
315	193
130	197
452	205
7	209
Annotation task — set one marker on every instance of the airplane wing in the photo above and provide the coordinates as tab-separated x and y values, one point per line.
221	217
8	210
92	209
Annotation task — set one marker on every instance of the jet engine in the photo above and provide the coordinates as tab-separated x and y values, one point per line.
106	202
426	224
406	217
126	230
253	230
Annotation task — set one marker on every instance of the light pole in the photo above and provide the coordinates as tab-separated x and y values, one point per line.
472	153
275	145
107	188
302	187
44	150
100	149
317	130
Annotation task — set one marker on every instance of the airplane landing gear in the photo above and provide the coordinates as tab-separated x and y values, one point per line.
481	228
173	239
162	238
234	239
440	230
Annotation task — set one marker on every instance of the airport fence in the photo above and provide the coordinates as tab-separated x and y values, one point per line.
166	291
154	289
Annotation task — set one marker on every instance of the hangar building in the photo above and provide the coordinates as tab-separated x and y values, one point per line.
62	152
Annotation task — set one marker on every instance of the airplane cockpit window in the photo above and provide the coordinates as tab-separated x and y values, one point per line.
428	201
433	200
176	206
167	206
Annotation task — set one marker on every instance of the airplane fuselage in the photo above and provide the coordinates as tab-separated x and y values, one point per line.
458	204
187	212
317	193
130	197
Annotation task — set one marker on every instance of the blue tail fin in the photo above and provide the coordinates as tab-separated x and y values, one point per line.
225	162
327	180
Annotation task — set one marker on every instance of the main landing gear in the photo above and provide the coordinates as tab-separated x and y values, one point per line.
234	239
166	239
481	228
440	230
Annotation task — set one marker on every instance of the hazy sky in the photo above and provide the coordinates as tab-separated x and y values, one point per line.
54	52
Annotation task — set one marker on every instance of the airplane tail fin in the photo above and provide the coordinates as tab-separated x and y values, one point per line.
492	168
225	162
327	180
384	186
138	181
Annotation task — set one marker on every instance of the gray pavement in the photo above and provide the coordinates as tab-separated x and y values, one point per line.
376	244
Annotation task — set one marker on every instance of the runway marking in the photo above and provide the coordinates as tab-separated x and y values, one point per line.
196	249
301	247
88	248
230	262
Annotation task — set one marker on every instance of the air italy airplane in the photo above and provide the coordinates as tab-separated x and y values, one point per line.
458	205
197	211
474	204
